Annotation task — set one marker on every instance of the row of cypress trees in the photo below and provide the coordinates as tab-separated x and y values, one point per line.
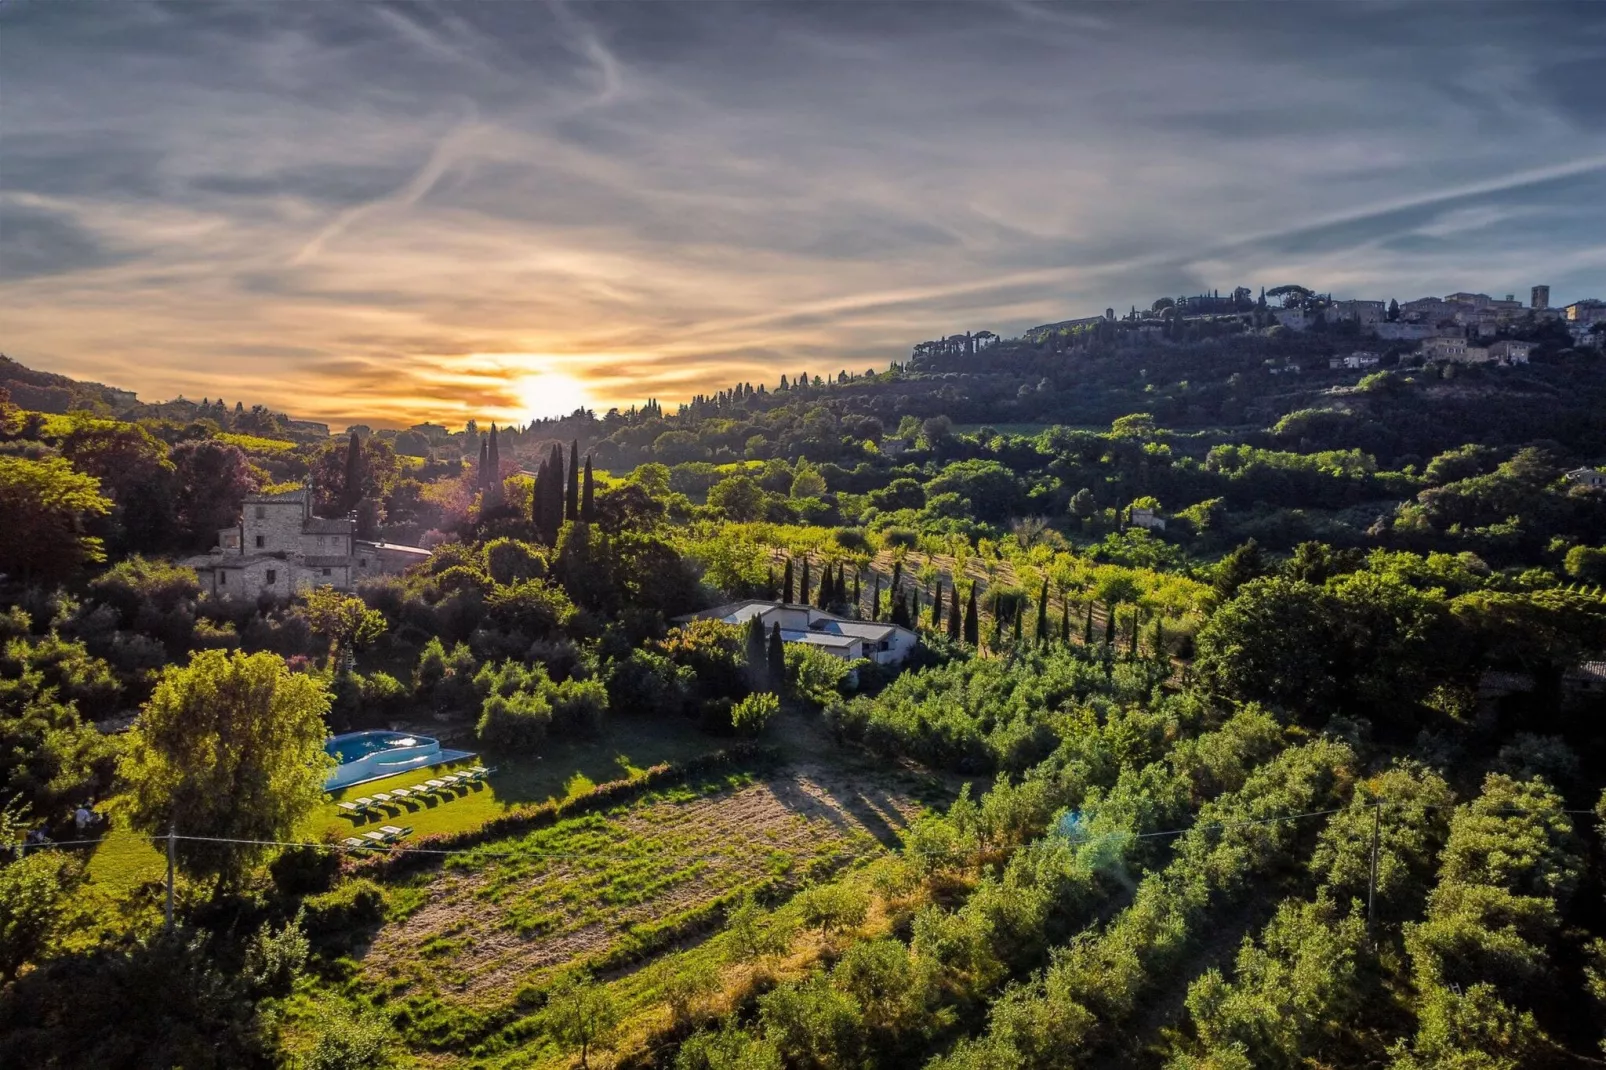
562	494
960	622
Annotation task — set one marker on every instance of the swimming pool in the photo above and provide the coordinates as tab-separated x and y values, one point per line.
370	755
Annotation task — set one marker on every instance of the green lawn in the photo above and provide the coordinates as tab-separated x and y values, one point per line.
124	860
567	767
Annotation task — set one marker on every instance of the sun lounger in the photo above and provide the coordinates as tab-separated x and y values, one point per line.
354	843
381	798
375	837
436	784
480	771
395	833
421	789
352	808
400	793
452	779
365	802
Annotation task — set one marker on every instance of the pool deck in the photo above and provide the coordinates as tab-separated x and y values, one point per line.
447	758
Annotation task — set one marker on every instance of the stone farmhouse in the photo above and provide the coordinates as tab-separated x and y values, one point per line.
279	548
882	643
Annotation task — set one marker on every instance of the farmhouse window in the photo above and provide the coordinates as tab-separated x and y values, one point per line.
261	541
273	577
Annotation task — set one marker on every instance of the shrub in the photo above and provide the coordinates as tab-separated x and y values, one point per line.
350	1043
509	561
749	716
516	723
852	539
383	693
304	870
905	537
578	706
275	956
354	905
833	907
646	683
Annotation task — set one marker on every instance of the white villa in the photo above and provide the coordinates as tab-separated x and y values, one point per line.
1588	477
843	637
279	548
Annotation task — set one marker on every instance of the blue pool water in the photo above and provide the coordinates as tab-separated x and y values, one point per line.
370	755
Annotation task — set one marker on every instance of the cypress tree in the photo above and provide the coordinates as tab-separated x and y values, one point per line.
1109	625
1159	637
571	509
480	475
354	473
914	609
972	627
857	605
769	588
936	609
538	502
1087	626
588	504
786	583
1065	622
839	589
897	574
1132	651
900	609
1020	611
493	459
1042	616
776	659
827	578
757	664
875	599
954	630
803	583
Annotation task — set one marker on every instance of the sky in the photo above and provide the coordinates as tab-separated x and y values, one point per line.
386	213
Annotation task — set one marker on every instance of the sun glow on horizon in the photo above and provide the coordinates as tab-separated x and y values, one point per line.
545	394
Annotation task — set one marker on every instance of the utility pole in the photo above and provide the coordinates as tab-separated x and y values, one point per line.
1371	888
172	835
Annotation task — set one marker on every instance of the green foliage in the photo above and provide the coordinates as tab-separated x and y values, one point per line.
515	723
344	621
274	957
46	503
579	1015
33	897
832	908
350	1042
751	714
509	561
230	745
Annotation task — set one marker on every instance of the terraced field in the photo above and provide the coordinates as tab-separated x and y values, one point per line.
504	916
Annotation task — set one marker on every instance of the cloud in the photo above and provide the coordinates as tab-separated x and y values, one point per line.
349	210
37	242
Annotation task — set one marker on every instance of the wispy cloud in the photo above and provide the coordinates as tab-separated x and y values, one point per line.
394	212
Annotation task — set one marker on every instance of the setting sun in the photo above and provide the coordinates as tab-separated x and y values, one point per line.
550	393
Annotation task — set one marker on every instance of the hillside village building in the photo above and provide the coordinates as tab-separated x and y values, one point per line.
1588	477
279	548
842	637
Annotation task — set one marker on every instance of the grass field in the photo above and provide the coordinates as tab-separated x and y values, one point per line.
123	859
